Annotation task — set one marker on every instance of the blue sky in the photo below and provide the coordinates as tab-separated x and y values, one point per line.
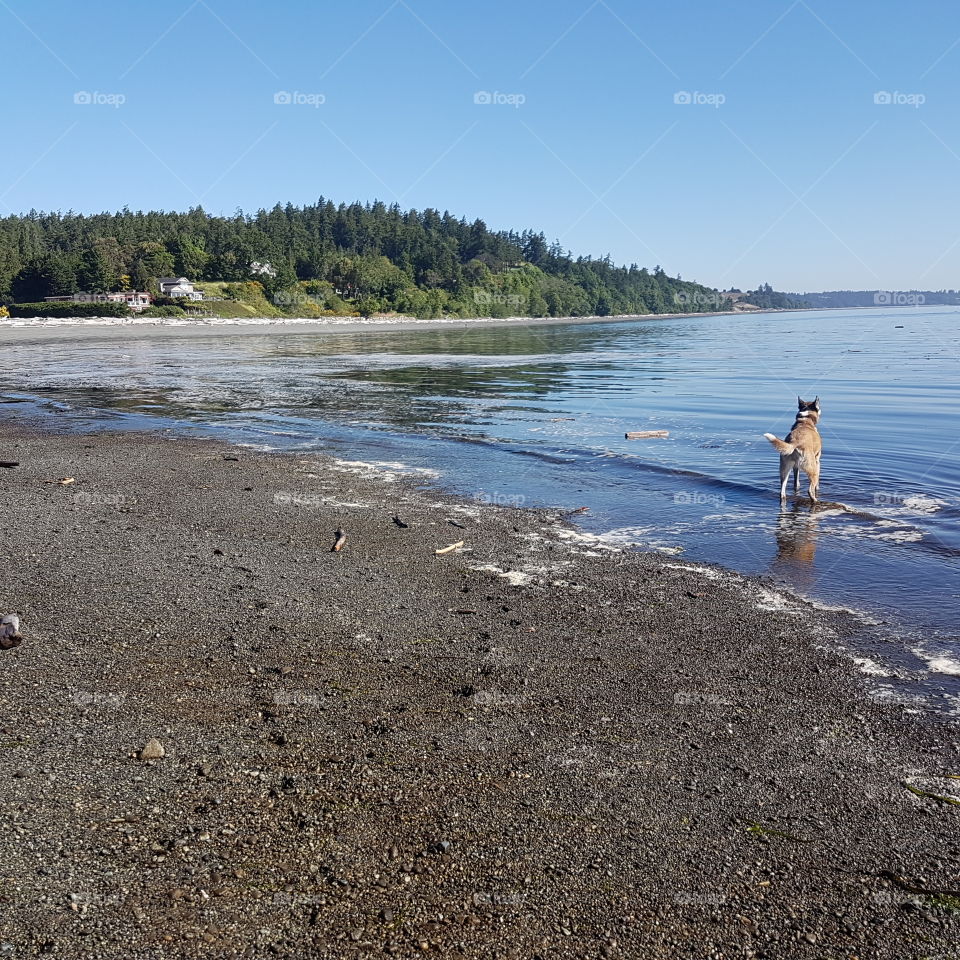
781	167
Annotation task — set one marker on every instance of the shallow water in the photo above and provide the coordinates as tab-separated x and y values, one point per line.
536	415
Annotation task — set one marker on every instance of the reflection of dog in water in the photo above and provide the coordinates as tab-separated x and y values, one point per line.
796	533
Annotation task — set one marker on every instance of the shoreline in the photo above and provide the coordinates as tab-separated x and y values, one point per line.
292	326
110	326
529	746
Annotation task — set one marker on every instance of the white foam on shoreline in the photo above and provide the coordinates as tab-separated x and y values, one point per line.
617	540
871	667
583	539
922	503
706	572
837	608
775	602
516	578
901	536
878	530
944	664
641	537
382	470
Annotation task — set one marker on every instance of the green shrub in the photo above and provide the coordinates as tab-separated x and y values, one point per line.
63	308
247	291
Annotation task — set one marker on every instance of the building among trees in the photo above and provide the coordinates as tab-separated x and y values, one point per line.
136	300
178	287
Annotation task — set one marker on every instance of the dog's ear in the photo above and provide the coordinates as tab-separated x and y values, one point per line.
816	403
799	403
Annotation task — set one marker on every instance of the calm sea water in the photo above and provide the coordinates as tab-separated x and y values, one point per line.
531	415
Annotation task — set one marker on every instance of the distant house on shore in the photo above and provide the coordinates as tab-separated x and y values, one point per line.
178	287
136	300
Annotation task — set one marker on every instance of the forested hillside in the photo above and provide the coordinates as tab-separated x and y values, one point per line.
880	298
324	258
767	298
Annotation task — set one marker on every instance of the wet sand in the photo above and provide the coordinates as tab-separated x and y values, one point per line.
530	746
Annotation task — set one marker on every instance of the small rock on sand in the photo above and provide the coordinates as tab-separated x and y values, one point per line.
152	750
10	632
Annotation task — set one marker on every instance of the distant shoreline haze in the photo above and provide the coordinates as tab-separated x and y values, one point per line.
880	298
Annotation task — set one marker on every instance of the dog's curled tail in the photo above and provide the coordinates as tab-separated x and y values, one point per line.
780	445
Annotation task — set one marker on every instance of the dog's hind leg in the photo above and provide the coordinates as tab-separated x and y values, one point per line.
796	478
815	479
784	476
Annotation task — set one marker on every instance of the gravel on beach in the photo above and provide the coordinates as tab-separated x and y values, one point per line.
219	737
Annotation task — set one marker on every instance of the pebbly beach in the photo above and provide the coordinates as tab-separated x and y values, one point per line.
471	732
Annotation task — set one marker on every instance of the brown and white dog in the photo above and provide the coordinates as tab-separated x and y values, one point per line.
801	449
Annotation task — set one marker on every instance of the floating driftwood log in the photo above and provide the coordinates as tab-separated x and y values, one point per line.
646	434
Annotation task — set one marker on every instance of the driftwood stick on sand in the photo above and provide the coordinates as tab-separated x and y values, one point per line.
340	541
450	549
646	434
9	464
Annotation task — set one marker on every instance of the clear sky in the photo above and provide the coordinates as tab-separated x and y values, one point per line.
776	165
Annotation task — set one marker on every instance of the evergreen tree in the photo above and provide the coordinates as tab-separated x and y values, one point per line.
58	276
95	275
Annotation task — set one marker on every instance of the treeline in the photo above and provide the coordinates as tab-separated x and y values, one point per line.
769	299
881	298
326	258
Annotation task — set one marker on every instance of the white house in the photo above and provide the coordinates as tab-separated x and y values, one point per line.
178	287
